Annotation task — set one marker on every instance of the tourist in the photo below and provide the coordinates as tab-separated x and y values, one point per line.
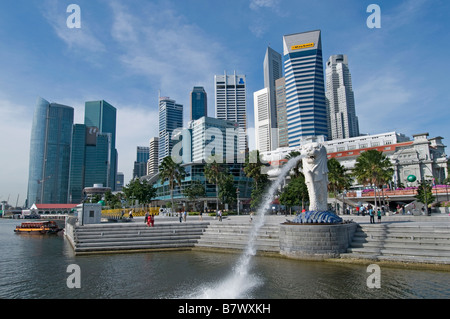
130	214
152	220
372	217
251	216
219	214
184	215
357	210
146	217
180	215
379	215
201	213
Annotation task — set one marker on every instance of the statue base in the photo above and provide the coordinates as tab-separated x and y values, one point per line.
315	241
313	217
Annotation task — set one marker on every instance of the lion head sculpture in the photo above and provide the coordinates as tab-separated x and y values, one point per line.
315	170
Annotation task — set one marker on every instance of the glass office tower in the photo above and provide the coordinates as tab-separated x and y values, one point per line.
199	103
305	89
51	135
103	115
170	118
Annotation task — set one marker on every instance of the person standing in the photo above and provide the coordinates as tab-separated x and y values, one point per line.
379	215
180	215
152	219
146	217
201	213
372	217
220	215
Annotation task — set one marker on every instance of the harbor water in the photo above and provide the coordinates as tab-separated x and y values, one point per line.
36	267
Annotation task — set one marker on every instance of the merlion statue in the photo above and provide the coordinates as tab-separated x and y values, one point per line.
315	170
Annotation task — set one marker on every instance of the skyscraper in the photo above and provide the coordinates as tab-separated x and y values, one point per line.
264	138
103	115
140	165
199	103
280	89
152	164
343	122
272	72
51	135
89	162
305	90
170	118
231	103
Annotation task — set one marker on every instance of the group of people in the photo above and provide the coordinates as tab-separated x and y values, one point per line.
149	219
371	211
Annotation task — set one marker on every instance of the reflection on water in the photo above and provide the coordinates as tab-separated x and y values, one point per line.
35	267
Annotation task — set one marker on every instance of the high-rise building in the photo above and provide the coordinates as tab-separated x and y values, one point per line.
89	164
199	103
213	137
231	103
103	115
152	163
273	70
140	165
266	138
305	89
343	122
49	165
280	89
120	181
170	118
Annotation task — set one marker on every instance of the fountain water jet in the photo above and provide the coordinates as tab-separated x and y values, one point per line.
240	281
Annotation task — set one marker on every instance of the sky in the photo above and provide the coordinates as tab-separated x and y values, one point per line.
129	52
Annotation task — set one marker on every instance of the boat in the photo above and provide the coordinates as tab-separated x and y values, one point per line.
43	227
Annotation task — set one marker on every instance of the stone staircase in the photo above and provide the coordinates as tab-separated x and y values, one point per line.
234	236
114	237
423	243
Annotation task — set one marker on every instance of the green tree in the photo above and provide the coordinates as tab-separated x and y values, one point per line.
227	193
338	178
295	193
194	191
139	190
425	193
254	168
215	173
173	172
297	170
372	168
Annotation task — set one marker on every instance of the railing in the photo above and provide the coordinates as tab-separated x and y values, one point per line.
119	213
439	189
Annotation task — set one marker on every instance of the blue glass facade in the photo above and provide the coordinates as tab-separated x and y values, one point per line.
103	115
199	103
49	164
305	88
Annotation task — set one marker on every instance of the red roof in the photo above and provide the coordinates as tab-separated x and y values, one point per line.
56	206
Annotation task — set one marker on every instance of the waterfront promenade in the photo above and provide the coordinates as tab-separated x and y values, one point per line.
404	239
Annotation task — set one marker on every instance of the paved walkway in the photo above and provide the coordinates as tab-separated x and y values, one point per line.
434	219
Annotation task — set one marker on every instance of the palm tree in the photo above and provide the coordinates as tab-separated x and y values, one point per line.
338	178
214	173
297	168
372	168
174	172
253	168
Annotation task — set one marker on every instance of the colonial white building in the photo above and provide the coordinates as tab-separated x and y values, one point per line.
421	156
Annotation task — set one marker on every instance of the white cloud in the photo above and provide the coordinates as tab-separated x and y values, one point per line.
257	4
136	124
15	133
76	39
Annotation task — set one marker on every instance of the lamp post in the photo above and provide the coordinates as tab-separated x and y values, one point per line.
237	194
